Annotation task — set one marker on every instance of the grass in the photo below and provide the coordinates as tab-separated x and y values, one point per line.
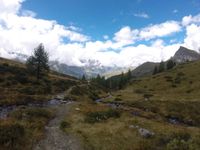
116	133
24	128
87	92
18	86
179	83
174	93
147	103
93	117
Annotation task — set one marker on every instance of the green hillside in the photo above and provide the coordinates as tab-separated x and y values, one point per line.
166	105
174	93
156	112
178	84
18	86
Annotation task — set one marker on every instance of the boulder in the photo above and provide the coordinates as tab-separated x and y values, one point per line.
145	133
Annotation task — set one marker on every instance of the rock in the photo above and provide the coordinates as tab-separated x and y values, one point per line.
59	97
63	102
77	109
134	126
54	102
145	133
135	113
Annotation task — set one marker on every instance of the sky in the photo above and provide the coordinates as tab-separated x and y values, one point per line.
114	32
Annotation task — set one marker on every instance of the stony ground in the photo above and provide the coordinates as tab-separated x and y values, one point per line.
56	139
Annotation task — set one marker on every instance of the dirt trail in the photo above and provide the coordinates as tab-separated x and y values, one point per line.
56	139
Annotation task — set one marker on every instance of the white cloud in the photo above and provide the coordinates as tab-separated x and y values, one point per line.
192	39
142	15
106	37
187	20
125	36
28	13
21	31
160	30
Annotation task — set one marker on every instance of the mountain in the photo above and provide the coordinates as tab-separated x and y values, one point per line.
144	69
91	68
65	69
184	54
181	56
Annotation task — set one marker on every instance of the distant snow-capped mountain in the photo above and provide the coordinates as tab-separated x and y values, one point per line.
91	68
18	56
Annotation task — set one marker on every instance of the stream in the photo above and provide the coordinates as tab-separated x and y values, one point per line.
118	105
58	100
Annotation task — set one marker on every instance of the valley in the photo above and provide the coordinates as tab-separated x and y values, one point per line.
146	111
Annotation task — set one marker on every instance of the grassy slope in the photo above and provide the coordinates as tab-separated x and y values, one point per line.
148	103
181	83
18	86
173	93
25	125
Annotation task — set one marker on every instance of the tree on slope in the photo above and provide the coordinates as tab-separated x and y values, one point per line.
38	63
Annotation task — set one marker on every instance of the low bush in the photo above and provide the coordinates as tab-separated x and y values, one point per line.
140	91
93	95
118	99
11	135
148	95
31	113
22	78
94	117
64	124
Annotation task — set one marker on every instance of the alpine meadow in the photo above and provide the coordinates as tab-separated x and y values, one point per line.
99	75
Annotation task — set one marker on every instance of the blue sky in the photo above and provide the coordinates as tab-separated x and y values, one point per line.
125	33
105	17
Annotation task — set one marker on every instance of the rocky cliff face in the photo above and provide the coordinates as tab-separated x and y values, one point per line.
185	55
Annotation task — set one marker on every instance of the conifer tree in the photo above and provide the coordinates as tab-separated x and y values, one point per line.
38	63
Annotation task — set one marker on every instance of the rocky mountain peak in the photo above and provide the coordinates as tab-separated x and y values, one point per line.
184	54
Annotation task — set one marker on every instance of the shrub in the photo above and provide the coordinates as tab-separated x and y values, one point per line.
139	91
28	90
177	80
177	144
5	64
93	95
147	95
174	85
168	78
21	77
64	124
118	99
94	117
11	135
180	74
31	113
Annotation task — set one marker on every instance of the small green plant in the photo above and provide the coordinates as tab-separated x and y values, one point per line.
11	135
94	117
64	124
177	144
147	95
118	99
